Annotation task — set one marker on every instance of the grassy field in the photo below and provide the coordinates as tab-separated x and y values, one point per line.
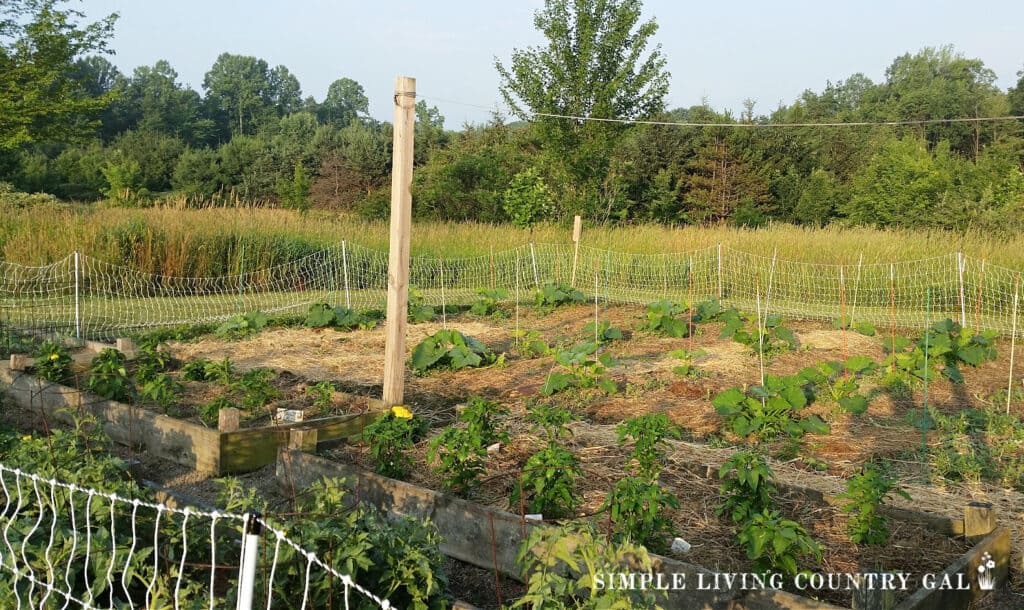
184	242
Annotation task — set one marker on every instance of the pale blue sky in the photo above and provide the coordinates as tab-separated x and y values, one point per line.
724	51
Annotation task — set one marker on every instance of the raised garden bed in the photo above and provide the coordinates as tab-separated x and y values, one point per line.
490	538
206	449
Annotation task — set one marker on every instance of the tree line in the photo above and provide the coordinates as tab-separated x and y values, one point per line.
74	126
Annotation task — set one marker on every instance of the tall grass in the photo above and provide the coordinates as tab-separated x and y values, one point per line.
186	242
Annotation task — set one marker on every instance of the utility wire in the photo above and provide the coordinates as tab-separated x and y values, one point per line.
746	125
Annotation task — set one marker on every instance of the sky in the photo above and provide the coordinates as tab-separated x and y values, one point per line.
721	52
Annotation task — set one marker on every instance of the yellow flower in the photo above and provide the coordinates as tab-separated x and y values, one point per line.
54	356
27	437
402	412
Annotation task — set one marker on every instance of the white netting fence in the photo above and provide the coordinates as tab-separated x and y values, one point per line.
64	546
84	296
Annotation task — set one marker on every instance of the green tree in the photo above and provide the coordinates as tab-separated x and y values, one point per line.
594	64
294	193
243	93
42	95
157	102
901	185
527	200
817	202
345	103
197	173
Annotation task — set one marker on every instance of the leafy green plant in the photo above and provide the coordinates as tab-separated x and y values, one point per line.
865	492
161	389
52	362
685	367
461	452
242	326
399	558
840	381
662	320
108	376
322	315
223	371
210	413
769	410
636	504
527	199
863	327
547	483
648	434
556	294
772	338
419	311
487	301
449	349
323	396
605	332
460	455
257	389
531	343
153	358
748	485
549	475
570	567
481	418
389	436
949	347
637	508
775	544
196	370
582	369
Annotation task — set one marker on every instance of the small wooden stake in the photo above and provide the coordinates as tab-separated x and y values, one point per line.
979	520
398	256
577	231
227	419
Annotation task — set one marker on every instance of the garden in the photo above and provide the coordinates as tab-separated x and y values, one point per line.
598	419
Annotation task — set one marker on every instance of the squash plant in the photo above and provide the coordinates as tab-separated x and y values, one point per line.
449	349
557	294
662	320
242	326
840	381
487	302
770	410
772	337
583	368
950	346
322	315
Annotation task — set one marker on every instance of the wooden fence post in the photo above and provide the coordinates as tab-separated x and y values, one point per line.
398	255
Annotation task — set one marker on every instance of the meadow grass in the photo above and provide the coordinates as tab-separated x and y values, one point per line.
205	242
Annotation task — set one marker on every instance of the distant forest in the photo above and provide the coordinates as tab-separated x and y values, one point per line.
251	136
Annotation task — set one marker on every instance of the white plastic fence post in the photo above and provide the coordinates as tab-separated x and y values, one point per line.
78	315
771	276
444	311
1013	342
856	289
597	275
963	301
536	277
247	569
719	272
344	271
517	296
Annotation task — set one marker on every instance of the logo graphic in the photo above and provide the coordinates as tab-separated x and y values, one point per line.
986	573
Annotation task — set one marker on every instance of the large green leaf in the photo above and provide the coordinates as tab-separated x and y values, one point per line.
855	404
427	353
727	402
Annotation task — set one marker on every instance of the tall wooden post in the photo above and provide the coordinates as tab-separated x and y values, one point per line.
398	257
